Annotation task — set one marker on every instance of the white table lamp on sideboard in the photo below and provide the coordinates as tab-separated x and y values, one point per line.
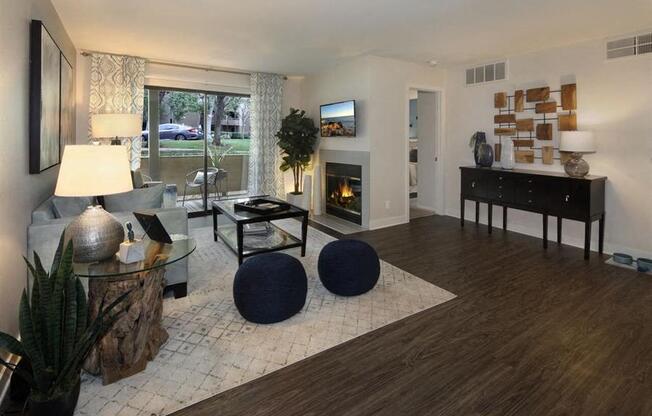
89	170
114	126
577	143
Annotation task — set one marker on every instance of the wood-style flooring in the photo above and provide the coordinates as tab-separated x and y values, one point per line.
532	332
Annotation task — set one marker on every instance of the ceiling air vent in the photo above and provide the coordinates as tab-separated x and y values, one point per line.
486	73
629	46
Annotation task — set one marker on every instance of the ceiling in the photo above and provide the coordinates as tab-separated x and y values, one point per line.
298	37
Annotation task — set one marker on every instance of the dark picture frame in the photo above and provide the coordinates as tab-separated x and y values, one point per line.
51	100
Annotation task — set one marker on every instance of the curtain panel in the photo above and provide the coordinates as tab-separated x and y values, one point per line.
118	86
266	100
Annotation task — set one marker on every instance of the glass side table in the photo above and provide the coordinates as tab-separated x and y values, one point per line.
137	336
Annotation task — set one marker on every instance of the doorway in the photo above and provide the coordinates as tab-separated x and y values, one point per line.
423	150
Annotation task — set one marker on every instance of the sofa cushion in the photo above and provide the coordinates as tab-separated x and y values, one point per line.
143	198
66	207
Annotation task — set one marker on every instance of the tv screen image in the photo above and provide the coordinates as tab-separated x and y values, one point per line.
338	119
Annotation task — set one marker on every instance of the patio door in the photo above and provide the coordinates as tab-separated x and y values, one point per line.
198	141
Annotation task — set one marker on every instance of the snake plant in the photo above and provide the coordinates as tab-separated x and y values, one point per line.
56	335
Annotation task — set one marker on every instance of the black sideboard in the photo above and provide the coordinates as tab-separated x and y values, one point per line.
546	193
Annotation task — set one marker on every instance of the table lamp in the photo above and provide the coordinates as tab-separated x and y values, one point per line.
114	126
577	143
92	170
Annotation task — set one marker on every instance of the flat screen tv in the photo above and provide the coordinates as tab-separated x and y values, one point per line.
338	119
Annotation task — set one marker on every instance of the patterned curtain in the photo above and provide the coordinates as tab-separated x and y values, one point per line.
118	86
264	155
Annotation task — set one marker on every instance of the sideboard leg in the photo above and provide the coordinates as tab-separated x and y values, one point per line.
587	239
477	212
545	231
601	235
558	230
489	216
504	218
462	211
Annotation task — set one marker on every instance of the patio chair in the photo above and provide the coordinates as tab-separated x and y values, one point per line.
216	177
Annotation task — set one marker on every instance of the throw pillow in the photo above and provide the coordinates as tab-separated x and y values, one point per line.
143	198
66	207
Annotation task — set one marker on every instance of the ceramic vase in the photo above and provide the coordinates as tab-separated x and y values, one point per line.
507	160
485	155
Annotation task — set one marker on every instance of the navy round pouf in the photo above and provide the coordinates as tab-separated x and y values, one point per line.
348	267
270	288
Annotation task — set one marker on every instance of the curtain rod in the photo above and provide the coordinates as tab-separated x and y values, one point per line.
174	64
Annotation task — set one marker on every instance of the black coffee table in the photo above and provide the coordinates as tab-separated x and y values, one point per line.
244	245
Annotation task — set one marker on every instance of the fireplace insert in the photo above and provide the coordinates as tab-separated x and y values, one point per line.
344	191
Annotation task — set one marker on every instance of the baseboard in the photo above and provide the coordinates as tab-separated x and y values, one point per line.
387	222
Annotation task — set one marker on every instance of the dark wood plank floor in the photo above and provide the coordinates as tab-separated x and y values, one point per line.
532	332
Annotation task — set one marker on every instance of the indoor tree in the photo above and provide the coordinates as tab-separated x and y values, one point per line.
297	138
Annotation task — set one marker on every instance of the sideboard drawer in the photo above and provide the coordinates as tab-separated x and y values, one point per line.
500	187
530	192
473	184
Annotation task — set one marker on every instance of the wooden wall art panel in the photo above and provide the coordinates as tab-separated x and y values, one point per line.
538	94
505	131
544	131
524	156
547	107
519	101
500	100
526	124
547	154
567	122
505	118
569	97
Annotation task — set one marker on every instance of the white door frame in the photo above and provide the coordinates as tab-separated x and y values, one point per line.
440	147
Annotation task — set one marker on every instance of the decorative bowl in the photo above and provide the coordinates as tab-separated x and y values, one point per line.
644	265
623	258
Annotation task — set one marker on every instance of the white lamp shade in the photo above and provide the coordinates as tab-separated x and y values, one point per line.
577	142
88	170
116	125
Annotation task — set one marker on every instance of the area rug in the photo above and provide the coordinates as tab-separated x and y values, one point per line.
212	348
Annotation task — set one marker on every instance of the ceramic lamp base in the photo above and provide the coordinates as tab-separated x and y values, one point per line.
96	235
576	166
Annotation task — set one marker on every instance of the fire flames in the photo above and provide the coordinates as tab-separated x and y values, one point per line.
343	194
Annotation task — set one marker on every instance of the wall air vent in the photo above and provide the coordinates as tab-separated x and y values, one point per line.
629	46
486	73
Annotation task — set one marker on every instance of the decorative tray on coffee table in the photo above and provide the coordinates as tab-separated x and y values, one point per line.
261	206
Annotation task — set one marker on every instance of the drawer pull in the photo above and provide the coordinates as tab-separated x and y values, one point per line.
500	178
473	184
529	191
566	198
500	187
529	201
500	196
529	181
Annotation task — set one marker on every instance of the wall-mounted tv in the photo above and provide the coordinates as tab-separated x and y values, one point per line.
338	119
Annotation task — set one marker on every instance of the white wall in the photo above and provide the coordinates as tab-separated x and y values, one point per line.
380	87
20	192
614	100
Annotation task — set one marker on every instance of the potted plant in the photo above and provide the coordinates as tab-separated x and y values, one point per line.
297	138
56	334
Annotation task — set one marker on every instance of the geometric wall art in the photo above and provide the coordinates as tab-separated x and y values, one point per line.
533	118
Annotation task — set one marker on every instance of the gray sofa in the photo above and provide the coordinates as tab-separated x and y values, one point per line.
47	225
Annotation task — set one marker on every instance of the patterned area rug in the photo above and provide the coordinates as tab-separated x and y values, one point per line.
212	348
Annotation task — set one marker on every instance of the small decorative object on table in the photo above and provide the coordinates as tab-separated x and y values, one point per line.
577	143
507	159
482	152
261	206
131	250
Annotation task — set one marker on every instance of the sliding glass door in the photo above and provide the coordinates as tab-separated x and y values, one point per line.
198	141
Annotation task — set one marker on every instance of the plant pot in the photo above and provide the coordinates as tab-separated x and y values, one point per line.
298	200
60	406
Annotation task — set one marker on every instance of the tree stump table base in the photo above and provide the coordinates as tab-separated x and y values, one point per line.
137	336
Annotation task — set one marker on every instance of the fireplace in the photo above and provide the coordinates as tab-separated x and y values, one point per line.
344	191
